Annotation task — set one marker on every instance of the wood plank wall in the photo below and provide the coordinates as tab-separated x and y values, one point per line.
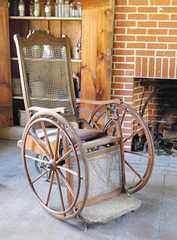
97	39
5	77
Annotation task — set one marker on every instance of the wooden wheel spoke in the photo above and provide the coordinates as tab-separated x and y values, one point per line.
70	171
66	183
101	114
138	154
125	110
36	159
134	170
47	139
60	192
57	142
65	155
133	134
39	144
107	115
50	188
39	176
95	124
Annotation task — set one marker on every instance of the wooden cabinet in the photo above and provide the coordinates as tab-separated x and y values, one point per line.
95	28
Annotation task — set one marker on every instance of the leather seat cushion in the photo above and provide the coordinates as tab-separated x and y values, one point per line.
89	134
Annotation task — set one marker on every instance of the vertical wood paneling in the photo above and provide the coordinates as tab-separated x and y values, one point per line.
97	37
72	29
55	28
5	78
36	24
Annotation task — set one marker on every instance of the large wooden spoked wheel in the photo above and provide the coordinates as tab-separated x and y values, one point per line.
134	135
52	146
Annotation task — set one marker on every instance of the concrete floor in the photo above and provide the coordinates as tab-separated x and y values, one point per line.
21	217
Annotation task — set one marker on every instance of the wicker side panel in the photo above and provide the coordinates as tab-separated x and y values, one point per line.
104	173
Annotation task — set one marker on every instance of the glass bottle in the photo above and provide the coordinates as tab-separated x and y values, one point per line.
21	8
60	8
79	43
48	9
56	8
70	8
9	7
79	11
14	8
37	8
31	8
74	11
67	9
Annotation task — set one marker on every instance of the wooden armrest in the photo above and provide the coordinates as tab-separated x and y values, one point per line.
37	109
95	102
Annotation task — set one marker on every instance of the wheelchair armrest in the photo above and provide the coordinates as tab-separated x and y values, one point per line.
95	102
59	109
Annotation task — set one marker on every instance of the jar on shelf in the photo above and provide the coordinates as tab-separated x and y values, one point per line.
31	8
60	2
16	86
79	43
70	8
56	8
67	9
74	11
21	8
9	7
77	53
48	9
37	8
62	8
14	8
79	11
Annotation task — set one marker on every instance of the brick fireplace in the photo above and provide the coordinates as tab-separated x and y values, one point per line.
145	43
145	46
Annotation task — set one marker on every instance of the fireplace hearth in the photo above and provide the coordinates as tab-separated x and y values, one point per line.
156	100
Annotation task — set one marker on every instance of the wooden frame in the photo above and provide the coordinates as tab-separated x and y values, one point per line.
59	145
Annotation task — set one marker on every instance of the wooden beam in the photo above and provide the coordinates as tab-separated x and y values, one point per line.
5	75
3	4
97	42
95	4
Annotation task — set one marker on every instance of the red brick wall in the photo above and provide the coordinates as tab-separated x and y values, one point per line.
145	43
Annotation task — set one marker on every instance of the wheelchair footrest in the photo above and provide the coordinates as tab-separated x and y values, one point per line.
109	209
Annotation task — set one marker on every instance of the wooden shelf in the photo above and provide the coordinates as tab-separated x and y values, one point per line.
72	60
76	60
17	97
46	18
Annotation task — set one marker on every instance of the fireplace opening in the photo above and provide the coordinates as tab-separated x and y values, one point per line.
156	101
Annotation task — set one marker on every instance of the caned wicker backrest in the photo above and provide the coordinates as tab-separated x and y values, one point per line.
45	71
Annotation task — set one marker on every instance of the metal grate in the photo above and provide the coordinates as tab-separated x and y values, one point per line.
48	76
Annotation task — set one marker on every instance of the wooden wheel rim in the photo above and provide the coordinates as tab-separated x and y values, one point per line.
147	173
141	183
34	120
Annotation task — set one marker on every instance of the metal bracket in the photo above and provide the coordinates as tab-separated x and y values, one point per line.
109	52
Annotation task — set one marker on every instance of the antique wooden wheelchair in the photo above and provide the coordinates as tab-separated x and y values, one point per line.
85	171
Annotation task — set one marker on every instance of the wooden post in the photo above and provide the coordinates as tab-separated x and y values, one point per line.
97	43
5	76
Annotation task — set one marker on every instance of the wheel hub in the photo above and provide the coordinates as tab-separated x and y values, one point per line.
53	165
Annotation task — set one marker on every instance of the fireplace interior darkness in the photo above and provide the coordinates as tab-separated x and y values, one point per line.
156	100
